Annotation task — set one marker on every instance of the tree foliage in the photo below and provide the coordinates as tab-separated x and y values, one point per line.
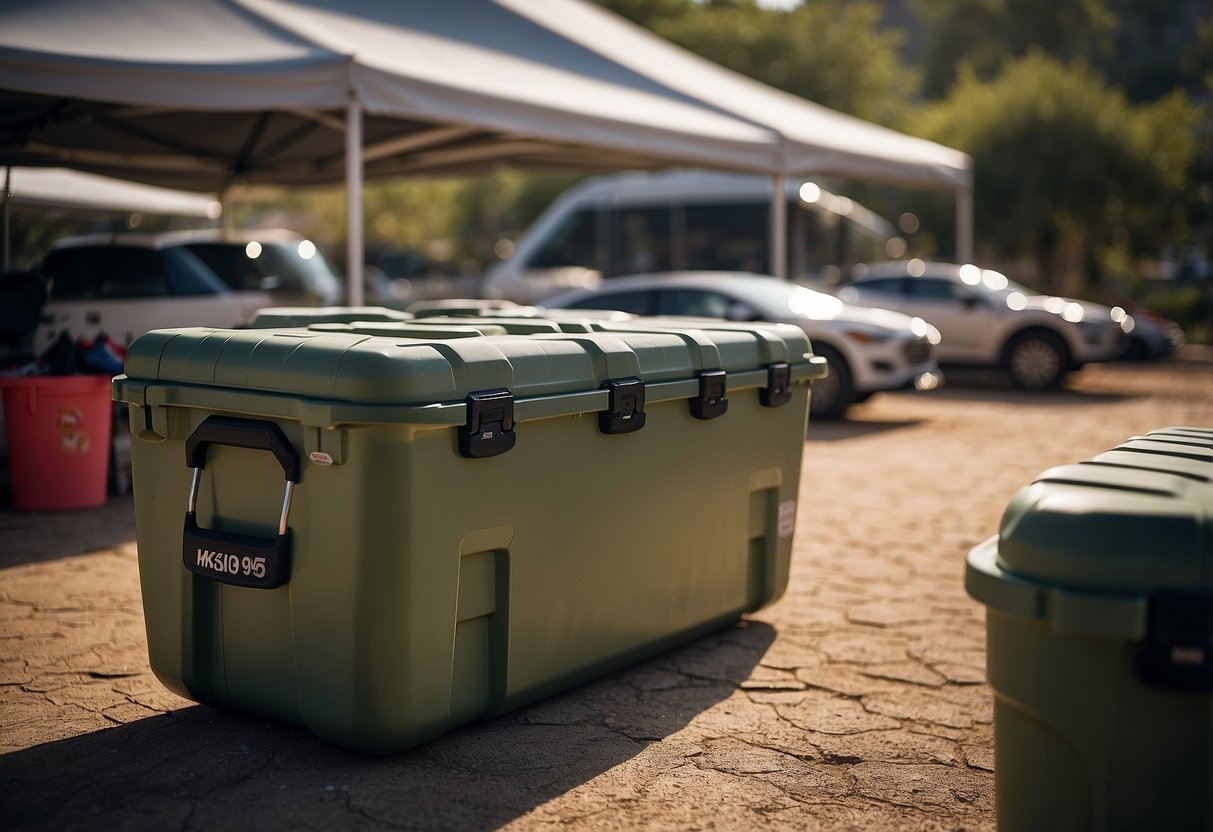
976	36
1063	165
1145	47
832	52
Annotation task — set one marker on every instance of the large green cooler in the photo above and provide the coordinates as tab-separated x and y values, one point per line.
1099	590
283	317
384	536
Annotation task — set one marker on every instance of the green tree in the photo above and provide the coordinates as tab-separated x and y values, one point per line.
977	35
832	52
649	13
1066	169
1145	47
1158	47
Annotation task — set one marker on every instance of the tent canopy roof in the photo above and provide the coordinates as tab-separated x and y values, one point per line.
209	93
76	190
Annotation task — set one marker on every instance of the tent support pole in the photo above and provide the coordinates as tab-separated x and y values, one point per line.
353	200
779	227
5	238
964	224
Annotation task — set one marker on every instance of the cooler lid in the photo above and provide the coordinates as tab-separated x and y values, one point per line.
1130	520
412	368
281	317
488	326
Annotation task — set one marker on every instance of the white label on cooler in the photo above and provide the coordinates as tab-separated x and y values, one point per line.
320	458
787	518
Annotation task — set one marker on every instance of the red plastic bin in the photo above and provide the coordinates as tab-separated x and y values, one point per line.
58	430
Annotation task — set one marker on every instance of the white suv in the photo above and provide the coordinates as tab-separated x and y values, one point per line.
290	268
868	350
987	320
126	284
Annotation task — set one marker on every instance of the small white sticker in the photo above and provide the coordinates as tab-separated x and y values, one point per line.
787	518
320	458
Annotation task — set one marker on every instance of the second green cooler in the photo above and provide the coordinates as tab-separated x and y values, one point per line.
1099	591
384	536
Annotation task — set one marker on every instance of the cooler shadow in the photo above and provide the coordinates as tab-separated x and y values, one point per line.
823	431
212	769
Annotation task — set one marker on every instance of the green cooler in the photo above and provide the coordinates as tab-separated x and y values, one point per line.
281	317
1099	590
383	536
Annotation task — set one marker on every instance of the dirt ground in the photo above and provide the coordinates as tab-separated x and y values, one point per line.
856	702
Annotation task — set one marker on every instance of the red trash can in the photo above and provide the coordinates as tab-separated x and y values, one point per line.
58	430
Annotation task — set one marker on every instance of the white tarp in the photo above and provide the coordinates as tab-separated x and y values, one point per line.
550	79
205	93
816	140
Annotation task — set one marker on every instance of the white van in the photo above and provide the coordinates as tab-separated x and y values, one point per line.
683	220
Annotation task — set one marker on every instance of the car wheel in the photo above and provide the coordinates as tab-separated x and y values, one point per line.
831	395
1037	360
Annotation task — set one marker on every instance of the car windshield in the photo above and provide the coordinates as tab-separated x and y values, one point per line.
294	266
992	284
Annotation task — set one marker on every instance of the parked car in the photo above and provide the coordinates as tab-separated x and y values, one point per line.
282	263
868	349
126	284
987	320
397	277
1152	336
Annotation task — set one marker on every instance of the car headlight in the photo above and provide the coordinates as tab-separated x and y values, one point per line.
924	330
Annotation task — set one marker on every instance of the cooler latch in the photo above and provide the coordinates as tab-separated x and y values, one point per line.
710	402
778	391
1178	650
490	426
625	406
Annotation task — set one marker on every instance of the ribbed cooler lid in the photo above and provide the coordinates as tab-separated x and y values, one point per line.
280	317
421	365
1132	519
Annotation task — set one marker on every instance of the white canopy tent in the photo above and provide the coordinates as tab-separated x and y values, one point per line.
63	188
205	94
76	190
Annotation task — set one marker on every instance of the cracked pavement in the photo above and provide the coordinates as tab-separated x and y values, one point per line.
856	702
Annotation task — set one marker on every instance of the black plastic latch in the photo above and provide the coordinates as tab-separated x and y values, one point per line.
778	391
710	402
1178	650
490	426
625	409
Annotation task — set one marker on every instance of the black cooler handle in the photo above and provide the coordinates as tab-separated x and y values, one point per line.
239	559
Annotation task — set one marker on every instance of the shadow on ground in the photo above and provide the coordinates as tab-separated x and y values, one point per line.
1022	398
37	536
836	431
212	769
992	386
